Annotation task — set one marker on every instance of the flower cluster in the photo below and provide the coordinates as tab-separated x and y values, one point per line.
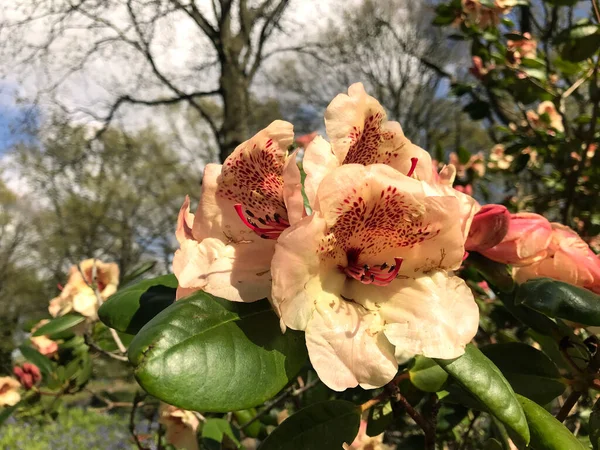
180	426
479	13
369	274
79	294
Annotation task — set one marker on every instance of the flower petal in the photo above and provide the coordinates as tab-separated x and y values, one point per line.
237	273
318	161
434	316
292	190
347	348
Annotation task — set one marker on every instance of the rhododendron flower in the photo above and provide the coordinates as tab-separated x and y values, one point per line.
475	163
479	70
360	133
367	276
498	159
305	139
227	246
28	374
547	118
9	391
43	344
488	228
517	50
484	16
568	259
180	427
78	296
525	242
365	442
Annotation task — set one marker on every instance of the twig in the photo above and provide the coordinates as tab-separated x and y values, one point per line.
463	444
427	427
568	406
91	343
289	392
384	395
576	85
137	400
596	10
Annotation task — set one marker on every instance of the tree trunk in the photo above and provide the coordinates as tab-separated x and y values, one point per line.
236	97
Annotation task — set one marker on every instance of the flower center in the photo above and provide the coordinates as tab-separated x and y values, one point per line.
269	228
379	275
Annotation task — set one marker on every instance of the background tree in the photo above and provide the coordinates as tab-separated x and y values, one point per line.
225	45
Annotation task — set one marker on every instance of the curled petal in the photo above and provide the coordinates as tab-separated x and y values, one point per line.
318	161
488	228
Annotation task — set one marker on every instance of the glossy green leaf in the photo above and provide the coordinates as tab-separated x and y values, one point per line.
59	324
594	426
215	431
380	417
35	357
322	426
533	319
208	354
482	379
427	375
547	433
495	273
529	371
138	272
131	308
562	300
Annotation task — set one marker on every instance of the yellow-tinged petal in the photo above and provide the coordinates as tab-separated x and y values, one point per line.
318	161
292	190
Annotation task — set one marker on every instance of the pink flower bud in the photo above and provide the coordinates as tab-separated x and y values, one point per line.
526	241
28	374
488	228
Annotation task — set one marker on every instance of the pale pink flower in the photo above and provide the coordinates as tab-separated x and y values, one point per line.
360	133
227	246
9	391
525	242
488	228
498	160
367	276
365	442
483	16
180	427
517	50
78	296
43	344
479	70
305	139
546	118
568	259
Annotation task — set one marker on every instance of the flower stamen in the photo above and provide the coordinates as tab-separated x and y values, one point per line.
272	227
377	275
413	166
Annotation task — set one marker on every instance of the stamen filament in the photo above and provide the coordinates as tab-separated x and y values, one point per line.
271	230
413	166
376	275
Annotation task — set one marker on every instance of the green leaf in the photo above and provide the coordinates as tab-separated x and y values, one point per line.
35	357
492	444
131	308
208	354
322	426
214	431
594	426
480	377
562	300
59	324
427	375
495	273
529	371
577	50
138	272
561	2
380	417
533	319
547	433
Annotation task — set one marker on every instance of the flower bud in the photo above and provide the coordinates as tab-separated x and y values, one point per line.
28	374
488	228
526	241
